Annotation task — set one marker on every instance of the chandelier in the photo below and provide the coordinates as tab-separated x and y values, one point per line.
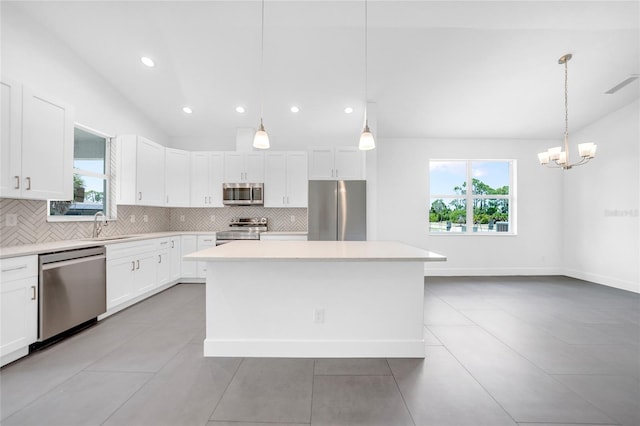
555	157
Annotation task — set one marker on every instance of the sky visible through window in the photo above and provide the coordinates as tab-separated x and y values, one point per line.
446	175
96	166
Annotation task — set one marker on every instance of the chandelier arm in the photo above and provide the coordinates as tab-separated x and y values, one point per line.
566	109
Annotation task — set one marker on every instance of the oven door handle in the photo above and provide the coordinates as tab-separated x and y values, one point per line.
54	265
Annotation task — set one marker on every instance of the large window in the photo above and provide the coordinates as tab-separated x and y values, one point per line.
91	178
472	197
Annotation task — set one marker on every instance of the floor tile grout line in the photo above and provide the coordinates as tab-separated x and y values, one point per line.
313	382
151	376
4	419
225	389
469	372
525	358
481	385
404	401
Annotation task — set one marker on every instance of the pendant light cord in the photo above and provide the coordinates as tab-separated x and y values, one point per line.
366	61
262	65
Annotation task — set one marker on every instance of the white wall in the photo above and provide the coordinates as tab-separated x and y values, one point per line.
403	205
35	57
601	203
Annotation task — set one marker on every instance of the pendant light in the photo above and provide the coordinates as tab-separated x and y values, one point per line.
558	157
261	139
366	138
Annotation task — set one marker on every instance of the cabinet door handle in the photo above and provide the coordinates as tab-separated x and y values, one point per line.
15	268
205	199
332	173
17	178
33	292
137	264
133	265
287	199
172	244
28	183
140	195
336	172
167	199
209	200
283	200
159	258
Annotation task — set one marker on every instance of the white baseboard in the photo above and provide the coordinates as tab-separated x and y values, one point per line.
505	271
603	279
314	348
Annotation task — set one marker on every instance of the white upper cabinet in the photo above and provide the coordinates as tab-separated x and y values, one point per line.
243	167
37	145
140	171
177	177
286	183
339	163
207	176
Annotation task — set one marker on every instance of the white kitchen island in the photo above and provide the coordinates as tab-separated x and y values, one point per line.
315	299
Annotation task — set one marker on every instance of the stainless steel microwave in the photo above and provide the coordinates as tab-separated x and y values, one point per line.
242	194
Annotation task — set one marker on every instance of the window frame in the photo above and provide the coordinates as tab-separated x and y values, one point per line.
110	210
469	196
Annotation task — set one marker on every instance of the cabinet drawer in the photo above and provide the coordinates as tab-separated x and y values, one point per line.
116	251
206	240
16	268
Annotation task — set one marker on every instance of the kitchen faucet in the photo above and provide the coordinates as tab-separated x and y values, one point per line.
97	226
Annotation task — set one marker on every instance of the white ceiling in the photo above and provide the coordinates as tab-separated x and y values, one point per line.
474	69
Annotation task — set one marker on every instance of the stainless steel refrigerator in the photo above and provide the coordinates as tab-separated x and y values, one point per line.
337	210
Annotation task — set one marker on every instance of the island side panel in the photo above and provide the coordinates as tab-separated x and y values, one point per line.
269	309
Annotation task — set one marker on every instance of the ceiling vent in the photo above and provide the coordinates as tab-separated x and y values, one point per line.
625	82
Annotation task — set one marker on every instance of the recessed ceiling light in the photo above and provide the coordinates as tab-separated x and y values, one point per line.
348	110
187	110
240	109
295	109
148	62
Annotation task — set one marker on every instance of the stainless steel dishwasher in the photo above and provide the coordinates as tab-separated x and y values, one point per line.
73	290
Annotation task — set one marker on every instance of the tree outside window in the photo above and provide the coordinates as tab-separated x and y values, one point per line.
487	208
91	177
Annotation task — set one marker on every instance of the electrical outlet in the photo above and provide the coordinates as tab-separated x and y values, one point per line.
133	218
318	315
293	218
181	218
11	219
145	218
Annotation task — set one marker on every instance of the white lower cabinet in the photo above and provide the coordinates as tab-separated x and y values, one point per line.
189	245
18	306
204	242
163	257
175	257
131	270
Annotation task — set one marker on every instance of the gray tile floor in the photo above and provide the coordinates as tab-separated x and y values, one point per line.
500	351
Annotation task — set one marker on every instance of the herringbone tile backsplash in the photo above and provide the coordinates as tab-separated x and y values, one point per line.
32	226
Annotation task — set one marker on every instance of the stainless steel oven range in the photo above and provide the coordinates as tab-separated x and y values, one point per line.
242	228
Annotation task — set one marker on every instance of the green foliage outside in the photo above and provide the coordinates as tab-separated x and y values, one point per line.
484	210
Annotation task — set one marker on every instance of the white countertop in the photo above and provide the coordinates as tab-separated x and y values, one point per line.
366	251
284	233
53	246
